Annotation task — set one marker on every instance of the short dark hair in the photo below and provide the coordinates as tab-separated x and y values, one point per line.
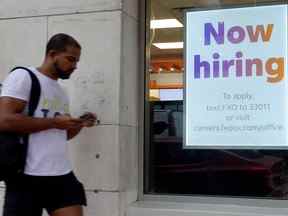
59	42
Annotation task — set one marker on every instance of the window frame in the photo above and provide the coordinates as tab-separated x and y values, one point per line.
143	130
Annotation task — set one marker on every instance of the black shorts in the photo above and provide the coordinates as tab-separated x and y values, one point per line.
29	195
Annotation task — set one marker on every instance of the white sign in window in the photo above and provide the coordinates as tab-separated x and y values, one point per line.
235	79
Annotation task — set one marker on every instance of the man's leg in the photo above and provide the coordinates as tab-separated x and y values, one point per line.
76	210
65	196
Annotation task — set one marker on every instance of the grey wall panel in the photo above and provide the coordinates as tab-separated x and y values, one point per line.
129	79
128	158
22	42
102	204
95	155
15	8
94	86
131	7
128	141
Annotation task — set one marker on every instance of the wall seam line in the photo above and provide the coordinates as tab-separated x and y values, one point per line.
60	14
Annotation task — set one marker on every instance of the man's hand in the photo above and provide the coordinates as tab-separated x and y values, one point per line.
65	122
89	119
74	125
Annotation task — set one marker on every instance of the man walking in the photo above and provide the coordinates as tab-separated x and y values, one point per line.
48	181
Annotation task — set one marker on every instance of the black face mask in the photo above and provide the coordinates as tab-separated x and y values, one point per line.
61	73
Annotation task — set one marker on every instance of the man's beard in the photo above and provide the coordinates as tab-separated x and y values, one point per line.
61	73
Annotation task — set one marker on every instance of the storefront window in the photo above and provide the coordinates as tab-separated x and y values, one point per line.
246	160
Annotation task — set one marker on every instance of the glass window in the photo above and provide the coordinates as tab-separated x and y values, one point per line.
170	168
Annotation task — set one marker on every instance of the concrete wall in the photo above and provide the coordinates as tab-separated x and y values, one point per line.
105	157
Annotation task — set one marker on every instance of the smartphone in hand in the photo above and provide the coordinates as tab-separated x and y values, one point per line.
90	118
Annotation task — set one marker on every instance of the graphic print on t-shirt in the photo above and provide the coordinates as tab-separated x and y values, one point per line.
51	107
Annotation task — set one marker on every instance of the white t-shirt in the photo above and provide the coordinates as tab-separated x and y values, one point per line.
47	149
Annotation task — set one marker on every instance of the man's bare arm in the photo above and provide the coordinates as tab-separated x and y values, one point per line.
12	119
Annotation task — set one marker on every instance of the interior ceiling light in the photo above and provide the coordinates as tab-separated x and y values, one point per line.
165	23
172	45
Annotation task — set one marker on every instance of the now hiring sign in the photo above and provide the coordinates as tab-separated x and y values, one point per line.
235	84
